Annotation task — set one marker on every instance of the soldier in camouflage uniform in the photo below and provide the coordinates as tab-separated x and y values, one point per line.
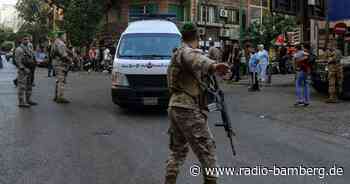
187	72
25	62
335	74
60	61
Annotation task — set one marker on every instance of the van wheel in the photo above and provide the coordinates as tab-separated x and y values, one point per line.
123	106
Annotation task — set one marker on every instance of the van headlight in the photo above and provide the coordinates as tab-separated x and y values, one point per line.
119	79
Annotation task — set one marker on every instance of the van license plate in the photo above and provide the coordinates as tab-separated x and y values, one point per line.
150	101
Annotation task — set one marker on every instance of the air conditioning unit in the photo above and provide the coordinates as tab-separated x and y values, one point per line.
225	33
223	13
201	31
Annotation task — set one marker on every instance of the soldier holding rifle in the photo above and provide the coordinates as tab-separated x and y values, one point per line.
188	70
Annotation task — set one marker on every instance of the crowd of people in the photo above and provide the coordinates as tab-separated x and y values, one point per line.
250	60
58	58
298	59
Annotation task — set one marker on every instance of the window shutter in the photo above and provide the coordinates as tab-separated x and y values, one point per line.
180	13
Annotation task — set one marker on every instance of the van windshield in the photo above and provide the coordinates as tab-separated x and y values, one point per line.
148	46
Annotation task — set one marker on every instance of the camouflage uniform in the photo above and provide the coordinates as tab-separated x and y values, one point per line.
335	75
32	68
24	61
59	61
187	112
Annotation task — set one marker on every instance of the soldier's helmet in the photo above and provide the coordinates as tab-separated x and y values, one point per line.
59	33
189	32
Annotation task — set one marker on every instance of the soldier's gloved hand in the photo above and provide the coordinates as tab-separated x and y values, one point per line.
221	69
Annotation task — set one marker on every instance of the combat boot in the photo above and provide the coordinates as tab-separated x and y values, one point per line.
21	101
30	102
23	105
331	100
15	82
206	181
170	180
62	101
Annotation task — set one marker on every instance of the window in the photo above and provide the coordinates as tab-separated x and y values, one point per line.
259	3
178	10
233	17
141	9
148	46
208	14
152	8
285	6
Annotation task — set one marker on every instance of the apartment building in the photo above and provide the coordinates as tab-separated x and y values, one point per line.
119	13
217	19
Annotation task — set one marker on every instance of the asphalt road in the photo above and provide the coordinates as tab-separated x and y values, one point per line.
93	141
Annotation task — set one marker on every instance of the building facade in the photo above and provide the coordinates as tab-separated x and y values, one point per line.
217	20
119	13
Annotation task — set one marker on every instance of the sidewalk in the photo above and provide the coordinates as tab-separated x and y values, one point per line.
276	80
275	102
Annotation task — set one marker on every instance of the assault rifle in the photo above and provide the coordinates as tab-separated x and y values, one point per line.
218	97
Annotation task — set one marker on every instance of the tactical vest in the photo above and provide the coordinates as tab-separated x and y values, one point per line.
28	60
181	79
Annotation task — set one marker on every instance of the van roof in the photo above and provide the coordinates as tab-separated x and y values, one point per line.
152	26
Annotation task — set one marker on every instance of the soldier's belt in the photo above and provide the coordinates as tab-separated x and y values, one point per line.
333	62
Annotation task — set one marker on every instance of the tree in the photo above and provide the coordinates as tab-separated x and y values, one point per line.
7	34
81	20
59	3
271	27
35	14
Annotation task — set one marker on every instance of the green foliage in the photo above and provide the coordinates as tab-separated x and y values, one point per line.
81	20
6	34
7	46
61	3
272	26
33	11
35	14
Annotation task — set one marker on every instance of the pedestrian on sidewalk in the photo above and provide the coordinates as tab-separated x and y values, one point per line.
263	57
25	62
50	69
107	58
302	68
236	62
253	69
283	60
1	64
93	57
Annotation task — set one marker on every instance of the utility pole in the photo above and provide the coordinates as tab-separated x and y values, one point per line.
206	9
241	22
327	26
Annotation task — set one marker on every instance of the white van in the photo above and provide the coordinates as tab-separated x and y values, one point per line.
139	76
